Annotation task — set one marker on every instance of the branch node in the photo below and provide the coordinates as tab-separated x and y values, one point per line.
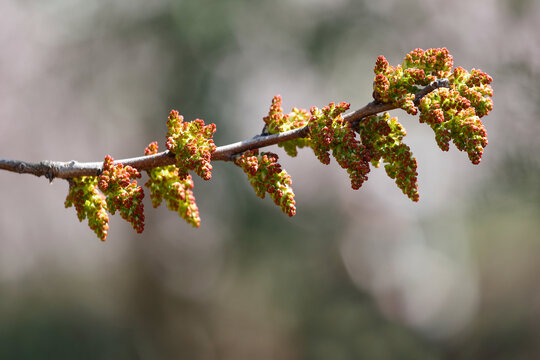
50	169
21	167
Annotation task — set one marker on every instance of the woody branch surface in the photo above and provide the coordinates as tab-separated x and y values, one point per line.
71	169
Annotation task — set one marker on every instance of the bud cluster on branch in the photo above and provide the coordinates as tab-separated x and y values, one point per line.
450	100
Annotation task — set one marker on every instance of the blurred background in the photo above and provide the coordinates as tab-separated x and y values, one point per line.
355	274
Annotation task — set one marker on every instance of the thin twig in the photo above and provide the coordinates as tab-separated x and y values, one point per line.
70	169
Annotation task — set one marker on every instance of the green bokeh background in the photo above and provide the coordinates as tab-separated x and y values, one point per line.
354	275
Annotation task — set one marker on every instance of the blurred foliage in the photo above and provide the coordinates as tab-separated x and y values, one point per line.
67	333
257	284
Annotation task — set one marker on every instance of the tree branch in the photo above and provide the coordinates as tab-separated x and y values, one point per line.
70	169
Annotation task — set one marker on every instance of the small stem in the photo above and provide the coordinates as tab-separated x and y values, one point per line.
70	169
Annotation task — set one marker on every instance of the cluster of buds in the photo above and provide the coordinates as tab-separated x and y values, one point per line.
430	65
475	87
329	131
382	136
398	85
114	190
89	203
266	176
166	184
192	144
453	113
277	122
452	117
122	192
